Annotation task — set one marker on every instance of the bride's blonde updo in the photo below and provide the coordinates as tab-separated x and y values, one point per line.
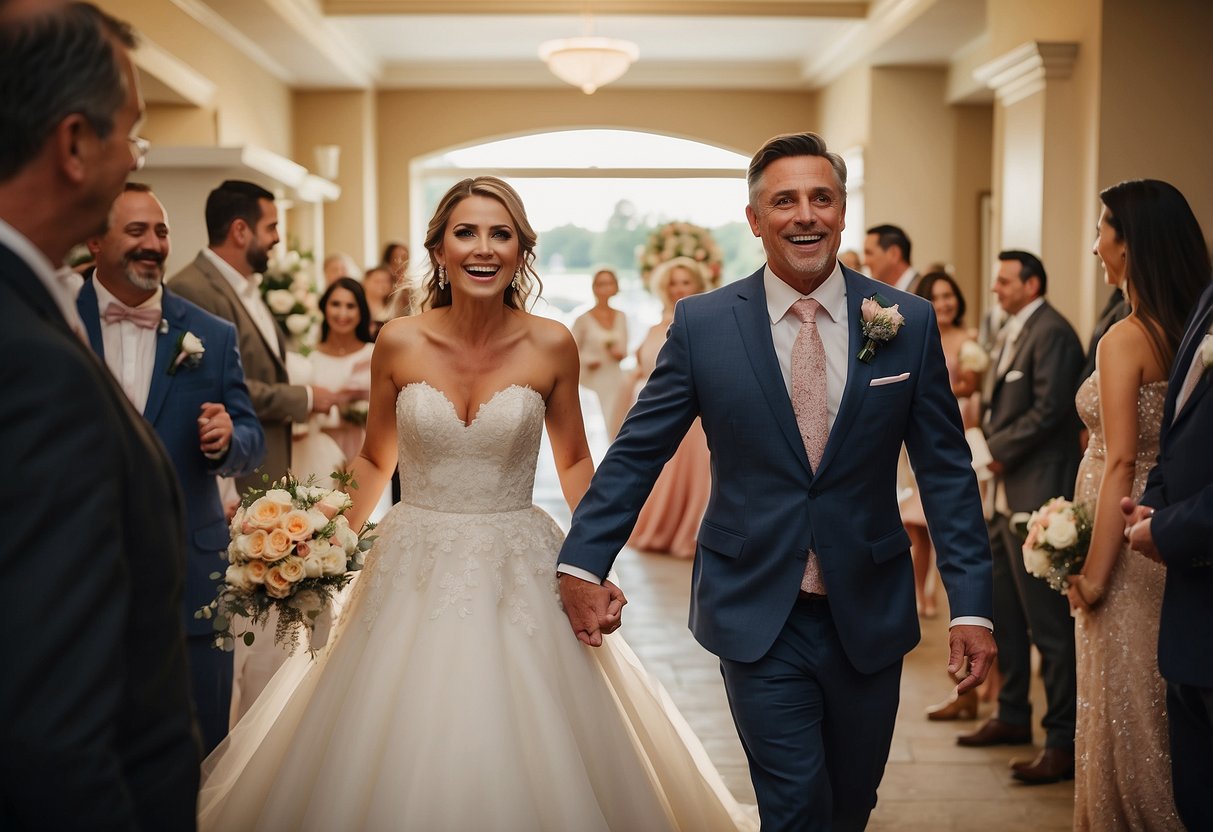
501	191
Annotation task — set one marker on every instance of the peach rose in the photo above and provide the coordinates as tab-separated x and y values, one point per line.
256	569
292	569
256	542
278	545
264	513
296	524
276	584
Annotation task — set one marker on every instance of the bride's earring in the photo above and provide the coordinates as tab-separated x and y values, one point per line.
441	278
516	282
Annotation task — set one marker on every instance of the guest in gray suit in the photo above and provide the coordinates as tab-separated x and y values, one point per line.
1032	428
242	227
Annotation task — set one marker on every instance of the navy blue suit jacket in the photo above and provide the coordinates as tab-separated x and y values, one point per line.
1180	489
174	403
767	506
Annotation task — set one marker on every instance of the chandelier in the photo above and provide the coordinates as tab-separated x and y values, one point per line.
588	62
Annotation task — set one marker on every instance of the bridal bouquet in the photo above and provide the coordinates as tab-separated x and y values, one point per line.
291	550
1058	535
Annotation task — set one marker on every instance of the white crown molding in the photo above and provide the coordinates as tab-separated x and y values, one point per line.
225	30
1024	70
857	9
783	75
178	82
275	172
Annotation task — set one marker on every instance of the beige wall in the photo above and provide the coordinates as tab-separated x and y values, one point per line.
972	140
846	109
251	107
1156	113
346	119
416	123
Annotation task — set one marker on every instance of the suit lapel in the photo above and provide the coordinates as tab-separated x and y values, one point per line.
166	343
86	305
1179	370
859	374
276	350
755	324
1015	346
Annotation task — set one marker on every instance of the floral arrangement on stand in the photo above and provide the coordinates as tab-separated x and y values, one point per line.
292	549
289	289
682	239
1058	536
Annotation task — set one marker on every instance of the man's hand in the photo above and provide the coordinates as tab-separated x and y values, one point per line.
975	643
324	399
214	428
1137	529
995	467
592	609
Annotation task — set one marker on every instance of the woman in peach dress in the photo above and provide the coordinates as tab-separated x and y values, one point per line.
669	521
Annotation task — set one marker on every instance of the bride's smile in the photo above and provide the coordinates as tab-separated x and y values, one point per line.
480	247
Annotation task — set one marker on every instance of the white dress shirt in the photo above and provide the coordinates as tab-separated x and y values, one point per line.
130	350
785	326
907	279
249	292
62	284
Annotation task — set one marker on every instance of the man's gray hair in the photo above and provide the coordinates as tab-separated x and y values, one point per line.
793	144
54	63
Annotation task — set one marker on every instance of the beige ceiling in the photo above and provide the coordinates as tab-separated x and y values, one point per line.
768	44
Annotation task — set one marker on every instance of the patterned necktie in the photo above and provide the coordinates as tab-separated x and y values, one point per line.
810	405
147	317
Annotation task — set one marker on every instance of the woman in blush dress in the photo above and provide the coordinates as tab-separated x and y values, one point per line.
1151	247
602	340
453	696
669	521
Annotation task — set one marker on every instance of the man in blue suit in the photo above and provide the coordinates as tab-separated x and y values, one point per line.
180	368
1174	525
802	581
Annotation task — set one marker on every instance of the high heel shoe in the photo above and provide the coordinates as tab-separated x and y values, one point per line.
958	707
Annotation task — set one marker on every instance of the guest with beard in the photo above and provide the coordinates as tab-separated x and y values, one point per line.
196	401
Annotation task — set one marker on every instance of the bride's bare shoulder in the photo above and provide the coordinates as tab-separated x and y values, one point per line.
549	333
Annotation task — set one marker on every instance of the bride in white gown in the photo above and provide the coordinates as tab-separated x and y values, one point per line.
453	695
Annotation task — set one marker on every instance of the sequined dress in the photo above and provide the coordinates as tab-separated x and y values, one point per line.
453	696
1123	771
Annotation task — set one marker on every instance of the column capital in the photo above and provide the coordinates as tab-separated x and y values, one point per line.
1024	70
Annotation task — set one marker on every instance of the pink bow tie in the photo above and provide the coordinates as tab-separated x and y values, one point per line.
147	317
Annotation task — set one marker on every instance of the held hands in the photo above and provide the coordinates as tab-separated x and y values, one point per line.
214	428
973	645
593	611
1137	529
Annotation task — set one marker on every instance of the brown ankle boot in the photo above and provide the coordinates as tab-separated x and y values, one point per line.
957	707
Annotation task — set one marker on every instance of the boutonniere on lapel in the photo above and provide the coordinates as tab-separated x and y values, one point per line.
189	352
880	325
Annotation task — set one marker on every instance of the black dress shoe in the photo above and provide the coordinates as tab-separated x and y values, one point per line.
996	732
1051	766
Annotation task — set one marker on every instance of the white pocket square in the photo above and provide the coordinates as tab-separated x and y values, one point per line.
1014	375
879	382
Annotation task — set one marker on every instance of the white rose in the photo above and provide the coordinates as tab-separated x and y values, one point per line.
347	539
333	561
1062	533
238	576
280	301
238	549
237	520
298	324
1206	351
973	358
280	496
309	602
313	565
1037	562
333	503
191	345
319	521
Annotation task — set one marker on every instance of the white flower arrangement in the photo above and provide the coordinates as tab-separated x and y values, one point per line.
973	358
1058	536
189	352
682	239
290	291
291	549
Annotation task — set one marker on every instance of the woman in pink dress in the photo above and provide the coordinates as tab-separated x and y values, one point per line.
669	521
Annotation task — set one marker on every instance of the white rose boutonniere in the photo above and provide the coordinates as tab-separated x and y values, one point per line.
880	324
189	352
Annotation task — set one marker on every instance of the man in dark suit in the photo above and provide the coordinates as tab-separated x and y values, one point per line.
98	729
199	407
1174	525
802	581
886	253
1031	427
242	227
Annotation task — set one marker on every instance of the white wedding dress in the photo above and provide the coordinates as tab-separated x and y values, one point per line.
453	696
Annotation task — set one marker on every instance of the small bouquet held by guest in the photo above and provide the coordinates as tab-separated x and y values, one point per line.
973	358
292	549
1058	536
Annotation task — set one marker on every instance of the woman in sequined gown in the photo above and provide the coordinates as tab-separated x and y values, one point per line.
453	696
1122	767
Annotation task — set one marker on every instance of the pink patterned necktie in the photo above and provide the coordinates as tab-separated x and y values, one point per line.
147	317
811	408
